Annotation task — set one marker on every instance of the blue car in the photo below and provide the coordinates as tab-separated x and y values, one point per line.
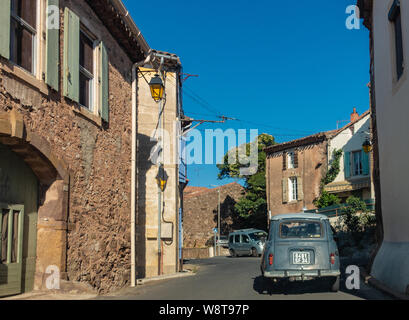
301	247
247	242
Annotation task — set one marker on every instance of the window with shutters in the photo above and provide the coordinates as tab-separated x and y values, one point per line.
396	19
293	189
357	163
23	34
291	160
87	69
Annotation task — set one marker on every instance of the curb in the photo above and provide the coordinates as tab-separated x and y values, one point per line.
380	286
165	277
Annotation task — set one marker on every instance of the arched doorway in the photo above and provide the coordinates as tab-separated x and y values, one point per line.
34	188
18	220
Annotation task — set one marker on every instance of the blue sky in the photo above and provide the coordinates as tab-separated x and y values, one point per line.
288	68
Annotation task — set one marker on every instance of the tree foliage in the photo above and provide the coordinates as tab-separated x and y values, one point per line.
252	208
326	199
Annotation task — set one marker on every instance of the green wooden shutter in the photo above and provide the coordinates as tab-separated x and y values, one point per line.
284	161
104	82
365	163
53	49
300	189
347	164
71	55
285	190
5	28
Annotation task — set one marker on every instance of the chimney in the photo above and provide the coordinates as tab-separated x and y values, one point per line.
354	116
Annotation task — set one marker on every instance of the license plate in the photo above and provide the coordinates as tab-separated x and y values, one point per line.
301	258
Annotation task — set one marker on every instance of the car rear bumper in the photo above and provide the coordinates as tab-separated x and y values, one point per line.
302	274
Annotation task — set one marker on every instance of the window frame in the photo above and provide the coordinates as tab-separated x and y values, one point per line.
93	96
395	18
291	160
293	189
37	56
353	163
300	221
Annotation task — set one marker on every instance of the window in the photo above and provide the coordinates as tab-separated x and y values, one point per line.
301	229
87	68
258	236
396	19
231	239
357	163
237	238
23	33
291	160
246	239
293	189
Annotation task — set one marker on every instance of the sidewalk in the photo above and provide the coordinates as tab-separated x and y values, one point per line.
380	286
81	291
68	291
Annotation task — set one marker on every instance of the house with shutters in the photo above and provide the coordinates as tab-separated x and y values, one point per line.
294	171
77	186
354	177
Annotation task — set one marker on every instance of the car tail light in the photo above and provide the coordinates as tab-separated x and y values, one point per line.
332	258
271	259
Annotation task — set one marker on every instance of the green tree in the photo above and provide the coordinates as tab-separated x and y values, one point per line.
326	199
252	208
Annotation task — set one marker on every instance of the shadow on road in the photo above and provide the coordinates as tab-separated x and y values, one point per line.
266	286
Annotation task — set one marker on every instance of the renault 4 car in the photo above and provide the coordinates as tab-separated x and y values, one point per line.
301	247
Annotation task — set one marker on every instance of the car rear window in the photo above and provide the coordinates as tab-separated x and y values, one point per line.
301	229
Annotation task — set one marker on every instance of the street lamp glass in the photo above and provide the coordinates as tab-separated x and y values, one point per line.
157	88
367	146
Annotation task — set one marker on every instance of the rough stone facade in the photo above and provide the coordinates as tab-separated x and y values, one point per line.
310	167
93	244
200	213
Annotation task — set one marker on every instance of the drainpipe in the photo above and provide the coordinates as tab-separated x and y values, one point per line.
160	193
134	168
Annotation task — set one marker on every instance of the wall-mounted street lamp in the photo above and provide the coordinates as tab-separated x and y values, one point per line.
367	146
157	88
162	178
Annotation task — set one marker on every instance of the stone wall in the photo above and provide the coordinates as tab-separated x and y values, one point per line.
98	157
200	213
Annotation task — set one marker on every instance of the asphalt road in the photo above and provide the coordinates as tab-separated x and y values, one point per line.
225	278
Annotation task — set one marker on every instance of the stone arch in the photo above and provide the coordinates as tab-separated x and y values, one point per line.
54	180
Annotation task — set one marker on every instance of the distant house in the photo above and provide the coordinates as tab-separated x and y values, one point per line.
354	177
294	171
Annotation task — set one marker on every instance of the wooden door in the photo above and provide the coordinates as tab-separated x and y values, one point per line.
11	248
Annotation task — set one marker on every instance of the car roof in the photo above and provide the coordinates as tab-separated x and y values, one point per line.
247	231
300	215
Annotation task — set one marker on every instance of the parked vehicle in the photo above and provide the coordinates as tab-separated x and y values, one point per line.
223	242
301	247
247	242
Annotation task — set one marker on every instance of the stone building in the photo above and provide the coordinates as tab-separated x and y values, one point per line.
200	208
294	171
70	98
388	23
